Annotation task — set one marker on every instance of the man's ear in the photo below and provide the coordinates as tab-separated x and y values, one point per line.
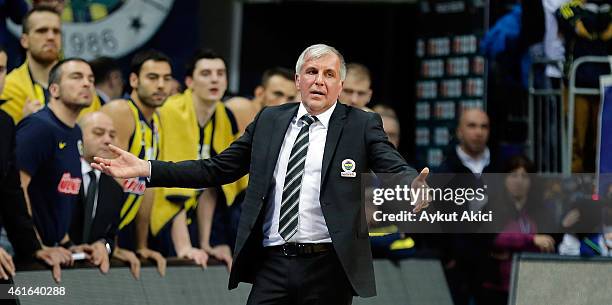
133	80
189	82
259	91
23	41
297	81
54	90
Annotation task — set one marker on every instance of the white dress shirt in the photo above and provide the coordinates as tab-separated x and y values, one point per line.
85	169
476	165
311	223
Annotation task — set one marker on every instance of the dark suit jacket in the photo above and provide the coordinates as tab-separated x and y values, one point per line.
106	222
352	134
13	209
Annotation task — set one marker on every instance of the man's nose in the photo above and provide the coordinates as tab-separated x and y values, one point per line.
319	79
107	139
161	83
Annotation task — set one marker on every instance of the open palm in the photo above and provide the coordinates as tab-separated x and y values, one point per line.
125	165
420	181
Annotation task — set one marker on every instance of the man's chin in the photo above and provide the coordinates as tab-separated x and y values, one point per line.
47	57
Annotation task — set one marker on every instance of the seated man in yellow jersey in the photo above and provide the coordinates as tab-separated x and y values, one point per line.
356	90
197	125
26	90
138	131
277	88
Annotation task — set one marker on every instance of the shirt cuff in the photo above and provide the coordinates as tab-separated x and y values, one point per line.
150	167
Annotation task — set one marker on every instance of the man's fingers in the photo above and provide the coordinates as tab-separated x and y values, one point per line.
57	273
161	262
135	267
116	149
423	175
10	266
104	265
6	265
204	260
3	273
48	260
229	264
419	206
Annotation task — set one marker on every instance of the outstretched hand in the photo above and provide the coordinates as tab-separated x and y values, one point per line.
420	181
125	165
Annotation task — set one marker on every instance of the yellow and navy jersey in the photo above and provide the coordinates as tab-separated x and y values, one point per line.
20	86
144	143
185	139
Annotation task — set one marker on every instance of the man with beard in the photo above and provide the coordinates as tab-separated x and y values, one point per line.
13	210
138	131
26	89
48	145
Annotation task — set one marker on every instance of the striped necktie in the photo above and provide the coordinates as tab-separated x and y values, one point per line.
289	211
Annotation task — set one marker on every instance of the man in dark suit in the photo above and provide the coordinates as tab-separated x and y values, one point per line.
464	254
301	237
97	214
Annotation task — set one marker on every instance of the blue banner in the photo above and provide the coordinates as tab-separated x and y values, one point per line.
604	147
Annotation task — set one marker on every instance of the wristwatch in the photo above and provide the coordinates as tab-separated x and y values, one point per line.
106	245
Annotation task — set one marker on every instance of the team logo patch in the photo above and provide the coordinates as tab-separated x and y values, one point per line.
80	147
134	186
348	168
69	185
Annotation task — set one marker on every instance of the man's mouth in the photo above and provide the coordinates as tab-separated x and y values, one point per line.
317	92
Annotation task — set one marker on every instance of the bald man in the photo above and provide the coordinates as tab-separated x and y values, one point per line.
473	134
465	252
96	217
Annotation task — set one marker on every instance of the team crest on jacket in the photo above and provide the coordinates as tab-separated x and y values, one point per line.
348	168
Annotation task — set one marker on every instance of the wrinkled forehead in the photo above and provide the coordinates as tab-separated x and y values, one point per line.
325	61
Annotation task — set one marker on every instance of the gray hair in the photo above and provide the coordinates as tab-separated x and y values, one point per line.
317	51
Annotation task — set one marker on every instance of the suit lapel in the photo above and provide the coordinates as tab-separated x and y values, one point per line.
281	123
336	124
